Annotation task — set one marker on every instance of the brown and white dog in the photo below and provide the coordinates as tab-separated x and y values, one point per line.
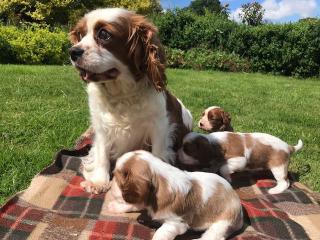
232	152
120	56
215	119
180	200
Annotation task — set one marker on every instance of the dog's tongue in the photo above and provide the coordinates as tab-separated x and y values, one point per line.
109	74
85	75
112	73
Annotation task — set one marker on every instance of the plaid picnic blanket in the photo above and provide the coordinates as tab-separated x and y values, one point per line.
55	207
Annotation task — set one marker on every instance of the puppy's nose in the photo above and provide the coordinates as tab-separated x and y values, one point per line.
75	53
200	124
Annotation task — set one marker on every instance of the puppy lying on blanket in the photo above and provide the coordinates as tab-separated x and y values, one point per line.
230	152
215	119
179	199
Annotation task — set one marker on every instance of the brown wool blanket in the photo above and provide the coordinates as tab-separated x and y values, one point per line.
55	207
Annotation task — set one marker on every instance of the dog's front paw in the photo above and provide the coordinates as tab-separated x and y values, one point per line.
97	180
95	188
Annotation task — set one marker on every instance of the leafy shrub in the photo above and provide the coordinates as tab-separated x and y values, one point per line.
64	12
33	44
172	26
202	59
175	57
6	52
183	29
288	49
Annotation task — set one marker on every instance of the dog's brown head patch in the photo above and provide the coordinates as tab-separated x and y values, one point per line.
215	119
135	181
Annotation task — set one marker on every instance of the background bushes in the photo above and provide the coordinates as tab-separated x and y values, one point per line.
184	29
33	44
203	59
209	41
288	49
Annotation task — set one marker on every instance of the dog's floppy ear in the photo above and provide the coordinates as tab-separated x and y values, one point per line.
226	119
147	51
135	186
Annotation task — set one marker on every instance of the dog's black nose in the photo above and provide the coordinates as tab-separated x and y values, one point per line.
201	124
75	53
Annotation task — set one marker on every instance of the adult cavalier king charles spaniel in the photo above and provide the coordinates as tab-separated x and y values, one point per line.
119	55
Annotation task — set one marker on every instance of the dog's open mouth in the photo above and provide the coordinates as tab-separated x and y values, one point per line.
88	76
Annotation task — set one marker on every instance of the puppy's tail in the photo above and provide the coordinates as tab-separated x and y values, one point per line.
297	147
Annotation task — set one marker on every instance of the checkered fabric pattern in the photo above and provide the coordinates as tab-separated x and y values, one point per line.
55	207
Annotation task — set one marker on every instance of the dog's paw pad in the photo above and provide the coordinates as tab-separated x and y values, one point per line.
94	188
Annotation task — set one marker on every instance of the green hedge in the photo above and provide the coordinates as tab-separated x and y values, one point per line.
184	29
202	59
288	49
192	41
33	44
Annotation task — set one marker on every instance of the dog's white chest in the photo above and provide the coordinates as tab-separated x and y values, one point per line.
128	122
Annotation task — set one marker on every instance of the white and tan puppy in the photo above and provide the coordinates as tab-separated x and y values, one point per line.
180	200
119	54
232	152
215	119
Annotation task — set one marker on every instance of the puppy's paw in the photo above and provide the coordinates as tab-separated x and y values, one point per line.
95	188
115	207
280	187
121	207
275	190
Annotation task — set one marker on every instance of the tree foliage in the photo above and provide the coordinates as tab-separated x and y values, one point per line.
65	11
252	13
214	6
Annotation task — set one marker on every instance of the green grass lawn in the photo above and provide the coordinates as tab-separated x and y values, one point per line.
44	109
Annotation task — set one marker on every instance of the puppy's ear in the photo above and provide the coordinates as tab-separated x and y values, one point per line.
133	191
226	119
147	51
135	188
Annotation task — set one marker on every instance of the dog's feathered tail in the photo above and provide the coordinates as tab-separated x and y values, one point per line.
297	147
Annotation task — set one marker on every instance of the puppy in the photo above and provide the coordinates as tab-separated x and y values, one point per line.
232	152
180	199
119	54
215	119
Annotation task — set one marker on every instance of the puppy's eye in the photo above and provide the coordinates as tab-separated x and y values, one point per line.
125	174
215	119
104	35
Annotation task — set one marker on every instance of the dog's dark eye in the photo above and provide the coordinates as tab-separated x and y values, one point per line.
125	174
104	35
79	36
